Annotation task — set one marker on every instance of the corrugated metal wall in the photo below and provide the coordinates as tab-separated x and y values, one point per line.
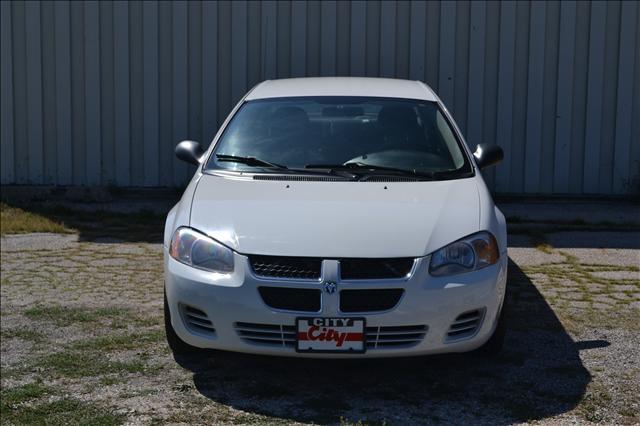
100	93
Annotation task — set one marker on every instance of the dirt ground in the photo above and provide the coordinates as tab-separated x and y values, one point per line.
83	342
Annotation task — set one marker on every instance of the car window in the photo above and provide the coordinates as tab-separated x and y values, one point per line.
297	132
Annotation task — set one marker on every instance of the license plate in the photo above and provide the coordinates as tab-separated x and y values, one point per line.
324	335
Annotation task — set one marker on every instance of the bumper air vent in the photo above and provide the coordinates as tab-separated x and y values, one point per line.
197	320
466	325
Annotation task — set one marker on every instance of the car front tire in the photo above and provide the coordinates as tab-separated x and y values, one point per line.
176	344
493	346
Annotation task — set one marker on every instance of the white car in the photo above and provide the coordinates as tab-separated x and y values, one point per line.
336	217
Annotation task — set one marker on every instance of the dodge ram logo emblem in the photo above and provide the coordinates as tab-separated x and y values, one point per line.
330	287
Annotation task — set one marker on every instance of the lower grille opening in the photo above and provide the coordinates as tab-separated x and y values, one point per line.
369	300
197	320
395	336
291	299
266	334
465	325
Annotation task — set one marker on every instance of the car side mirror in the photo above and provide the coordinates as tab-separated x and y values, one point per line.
190	152
488	154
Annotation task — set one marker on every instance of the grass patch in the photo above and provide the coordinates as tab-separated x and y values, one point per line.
63	316
14	220
62	412
17	333
145	225
81	364
22	393
121	342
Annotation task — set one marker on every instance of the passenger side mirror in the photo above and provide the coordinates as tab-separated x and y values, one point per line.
189	151
488	154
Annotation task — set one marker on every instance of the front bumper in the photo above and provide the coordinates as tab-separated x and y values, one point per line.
232	305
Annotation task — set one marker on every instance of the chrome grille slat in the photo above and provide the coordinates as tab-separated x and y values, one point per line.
379	337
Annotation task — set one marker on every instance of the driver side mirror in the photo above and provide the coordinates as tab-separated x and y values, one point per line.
488	154
190	152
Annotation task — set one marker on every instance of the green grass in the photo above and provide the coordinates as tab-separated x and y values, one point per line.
30	335
74	364
14	220
22	393
62	412
120	342
144	225
63	316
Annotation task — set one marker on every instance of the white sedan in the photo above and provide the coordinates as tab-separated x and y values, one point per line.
336	217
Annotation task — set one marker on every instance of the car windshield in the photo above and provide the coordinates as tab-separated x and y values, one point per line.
355	133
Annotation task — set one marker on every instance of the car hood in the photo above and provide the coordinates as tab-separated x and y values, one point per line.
335	219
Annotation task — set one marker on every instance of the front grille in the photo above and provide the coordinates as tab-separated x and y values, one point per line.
197	320
377	337
395	337
369	300
266	334
291	299
286	267
465	325
371	269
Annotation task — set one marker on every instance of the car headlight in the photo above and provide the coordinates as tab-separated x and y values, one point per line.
195	249
471	253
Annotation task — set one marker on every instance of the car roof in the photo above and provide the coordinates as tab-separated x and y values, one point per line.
342	86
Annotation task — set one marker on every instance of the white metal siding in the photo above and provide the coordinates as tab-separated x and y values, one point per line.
99	93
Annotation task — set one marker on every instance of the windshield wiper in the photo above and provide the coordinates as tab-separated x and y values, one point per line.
364	167
357	166
250	161
257	162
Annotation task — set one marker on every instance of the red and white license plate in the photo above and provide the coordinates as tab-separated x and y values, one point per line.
330	335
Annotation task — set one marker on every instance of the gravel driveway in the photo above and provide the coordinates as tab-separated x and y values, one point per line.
82	341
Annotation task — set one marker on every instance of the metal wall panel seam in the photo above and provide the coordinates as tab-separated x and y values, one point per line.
48	93
64	151
7	139
92	93
328	37
209	70
238	50
151	110
180	85
564	96
475	110
535	94
34	92
593	128
504	128
387	39
121	92
417	40
626	72
358	36
269	19
298	38
447	52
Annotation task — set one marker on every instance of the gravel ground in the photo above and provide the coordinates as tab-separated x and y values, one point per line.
82	341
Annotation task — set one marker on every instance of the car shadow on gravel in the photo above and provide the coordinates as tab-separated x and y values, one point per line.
539	374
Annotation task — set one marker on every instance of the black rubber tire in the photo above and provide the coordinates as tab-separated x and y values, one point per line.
176	344
493	346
